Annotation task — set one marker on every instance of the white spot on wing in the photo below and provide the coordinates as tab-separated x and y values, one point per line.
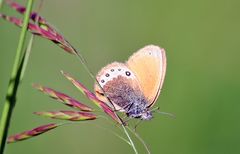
118	71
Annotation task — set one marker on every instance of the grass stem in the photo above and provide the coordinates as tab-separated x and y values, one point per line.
129	138
14	81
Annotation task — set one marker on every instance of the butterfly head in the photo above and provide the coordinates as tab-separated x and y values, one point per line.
139	110
147	115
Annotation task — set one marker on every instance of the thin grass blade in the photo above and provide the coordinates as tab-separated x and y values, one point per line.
31	40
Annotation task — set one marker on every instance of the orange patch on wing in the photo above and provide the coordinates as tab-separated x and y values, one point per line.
149	66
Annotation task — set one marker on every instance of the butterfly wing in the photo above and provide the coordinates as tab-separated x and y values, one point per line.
120	85
149	66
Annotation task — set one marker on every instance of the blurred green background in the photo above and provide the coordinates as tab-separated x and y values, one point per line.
201	38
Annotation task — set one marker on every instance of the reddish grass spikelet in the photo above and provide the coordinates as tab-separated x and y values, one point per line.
21	9
67	100
31	133
41	28
67	115
93	98
34	16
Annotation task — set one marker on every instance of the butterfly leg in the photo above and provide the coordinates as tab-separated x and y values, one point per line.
125	119
137	124
126	107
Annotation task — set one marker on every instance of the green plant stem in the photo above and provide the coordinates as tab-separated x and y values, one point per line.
26	57
130	140
29	46
140	139
14	81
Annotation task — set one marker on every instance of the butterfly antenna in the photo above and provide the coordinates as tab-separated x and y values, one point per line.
167	114
157	110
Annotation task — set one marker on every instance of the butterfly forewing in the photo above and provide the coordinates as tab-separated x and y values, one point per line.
149	66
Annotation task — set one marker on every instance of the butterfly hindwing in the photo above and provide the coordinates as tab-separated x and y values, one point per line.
120	85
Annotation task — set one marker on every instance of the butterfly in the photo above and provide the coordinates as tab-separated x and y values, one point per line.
133	87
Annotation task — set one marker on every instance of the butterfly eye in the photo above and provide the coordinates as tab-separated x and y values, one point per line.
128	73
107	75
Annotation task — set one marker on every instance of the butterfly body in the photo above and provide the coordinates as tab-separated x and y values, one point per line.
128	85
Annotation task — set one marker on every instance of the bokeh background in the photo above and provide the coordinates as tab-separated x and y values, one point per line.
201	38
